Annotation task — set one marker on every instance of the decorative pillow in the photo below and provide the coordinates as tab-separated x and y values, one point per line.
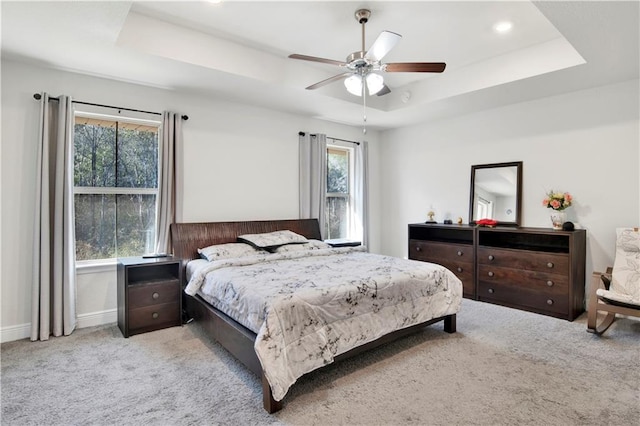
227	251
626	266
311	245
272	240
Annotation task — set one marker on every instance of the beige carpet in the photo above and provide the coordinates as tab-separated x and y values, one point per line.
503	367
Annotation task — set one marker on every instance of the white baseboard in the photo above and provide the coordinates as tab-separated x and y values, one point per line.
23	331
15	332
97	318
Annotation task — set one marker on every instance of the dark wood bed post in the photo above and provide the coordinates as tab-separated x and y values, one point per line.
450	323
269	404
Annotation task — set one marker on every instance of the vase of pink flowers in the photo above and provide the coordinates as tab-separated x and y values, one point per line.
558	202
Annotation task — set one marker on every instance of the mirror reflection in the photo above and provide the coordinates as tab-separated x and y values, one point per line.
495	192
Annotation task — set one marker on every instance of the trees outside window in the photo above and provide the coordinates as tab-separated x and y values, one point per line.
338	192
115	187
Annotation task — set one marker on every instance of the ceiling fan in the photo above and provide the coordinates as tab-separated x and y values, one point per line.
362	68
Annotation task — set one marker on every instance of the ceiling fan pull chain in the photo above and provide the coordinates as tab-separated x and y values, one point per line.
364	109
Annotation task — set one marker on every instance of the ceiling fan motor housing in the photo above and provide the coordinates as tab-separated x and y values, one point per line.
356	61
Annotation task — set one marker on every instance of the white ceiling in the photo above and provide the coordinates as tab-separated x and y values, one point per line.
238	50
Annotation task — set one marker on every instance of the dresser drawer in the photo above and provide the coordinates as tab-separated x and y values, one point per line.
462	270
556	263
458	258
429	251
155	293
150	316
551	284
521	296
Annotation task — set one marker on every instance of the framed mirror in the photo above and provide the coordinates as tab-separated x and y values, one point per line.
496	193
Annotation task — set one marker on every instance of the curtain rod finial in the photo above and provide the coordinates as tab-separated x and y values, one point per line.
37	96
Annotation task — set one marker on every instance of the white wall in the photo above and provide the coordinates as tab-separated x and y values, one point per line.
586	143
242	164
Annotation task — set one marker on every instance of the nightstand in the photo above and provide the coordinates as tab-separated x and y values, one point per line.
149	294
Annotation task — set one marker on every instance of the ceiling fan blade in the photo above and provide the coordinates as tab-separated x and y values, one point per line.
415	67
316	59
329	80
385	89
383	45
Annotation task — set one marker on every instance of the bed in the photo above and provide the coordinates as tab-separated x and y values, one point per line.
260	347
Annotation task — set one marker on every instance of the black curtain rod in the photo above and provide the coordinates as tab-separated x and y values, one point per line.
332	138
38	96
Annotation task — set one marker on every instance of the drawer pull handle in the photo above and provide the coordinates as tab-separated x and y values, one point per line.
155	295
491	290
550	283
490	274
549	302
459	253
459	269
491	257
155	315
418	249
549	265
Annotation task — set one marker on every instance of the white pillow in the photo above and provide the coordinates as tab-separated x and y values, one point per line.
626	266
272	240
227	251
311	245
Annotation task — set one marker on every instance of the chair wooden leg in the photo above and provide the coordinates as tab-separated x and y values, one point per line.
592	327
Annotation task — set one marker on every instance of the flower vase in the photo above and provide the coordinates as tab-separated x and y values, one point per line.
557	219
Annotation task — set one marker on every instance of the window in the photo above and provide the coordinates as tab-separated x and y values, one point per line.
339	192
484	208
115	185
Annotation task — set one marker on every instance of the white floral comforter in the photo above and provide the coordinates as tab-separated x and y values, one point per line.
307	307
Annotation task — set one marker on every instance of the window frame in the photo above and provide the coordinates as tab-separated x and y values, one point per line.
349	196
129	117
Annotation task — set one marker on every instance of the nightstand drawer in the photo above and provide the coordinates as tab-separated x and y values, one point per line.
149	294
155	315
164	291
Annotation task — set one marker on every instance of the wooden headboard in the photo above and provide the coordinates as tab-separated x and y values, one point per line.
187	238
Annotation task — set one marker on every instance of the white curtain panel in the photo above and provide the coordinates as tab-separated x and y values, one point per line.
166	213
54	275
361	193
313	177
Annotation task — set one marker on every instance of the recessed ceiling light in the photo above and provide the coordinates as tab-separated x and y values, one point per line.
503	27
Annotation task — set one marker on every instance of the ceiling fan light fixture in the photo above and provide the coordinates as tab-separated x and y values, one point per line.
375	83
354	85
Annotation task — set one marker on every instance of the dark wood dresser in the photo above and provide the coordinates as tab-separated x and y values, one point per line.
449	246
535	269
149	294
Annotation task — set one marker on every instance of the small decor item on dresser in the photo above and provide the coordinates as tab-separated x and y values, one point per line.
558	202
431	214
490	223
